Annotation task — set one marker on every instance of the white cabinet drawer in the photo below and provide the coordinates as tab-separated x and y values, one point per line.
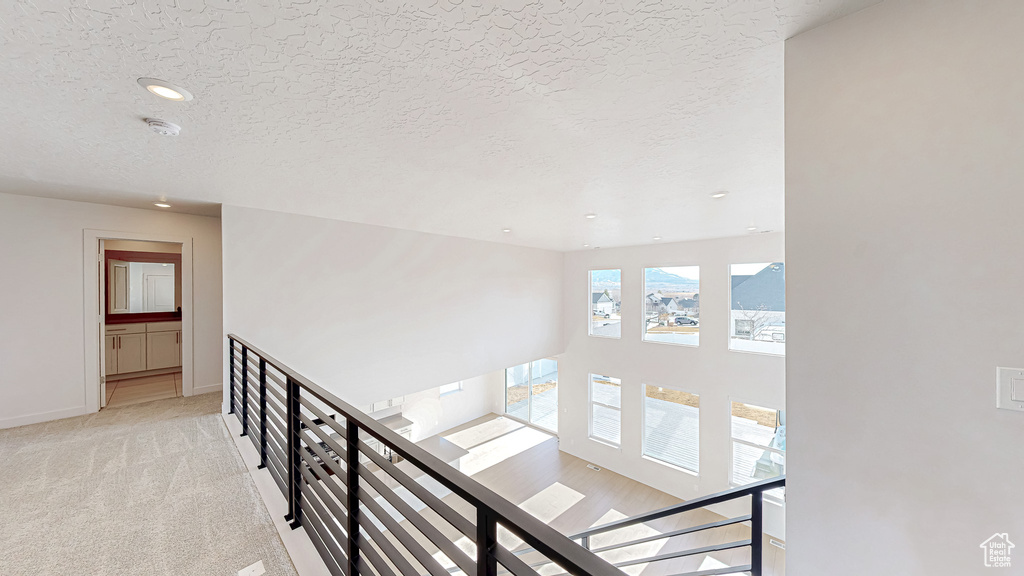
115	329
163	326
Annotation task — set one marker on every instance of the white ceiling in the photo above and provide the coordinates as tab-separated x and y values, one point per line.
440	116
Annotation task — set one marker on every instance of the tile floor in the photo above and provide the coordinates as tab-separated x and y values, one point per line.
143	389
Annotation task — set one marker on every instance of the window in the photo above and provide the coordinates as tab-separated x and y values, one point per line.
531	393
451	388
605	291
672	305
605	409
672	427
758	318
758	444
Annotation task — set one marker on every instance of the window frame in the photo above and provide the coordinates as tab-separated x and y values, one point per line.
772	495
732	323
643	304
590	411
529	403
458	388
643	435
590	303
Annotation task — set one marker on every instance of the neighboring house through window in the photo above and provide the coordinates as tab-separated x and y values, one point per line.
758	316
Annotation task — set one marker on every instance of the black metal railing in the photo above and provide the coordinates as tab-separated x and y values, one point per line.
755	543
368	514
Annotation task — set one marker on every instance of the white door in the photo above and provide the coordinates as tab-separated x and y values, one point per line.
158	295
106	365
131	353
162	350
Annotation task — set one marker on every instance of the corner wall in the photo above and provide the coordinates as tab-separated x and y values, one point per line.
711	370
905	263
371	313
42	354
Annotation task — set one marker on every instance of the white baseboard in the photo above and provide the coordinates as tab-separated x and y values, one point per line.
43	417
197	390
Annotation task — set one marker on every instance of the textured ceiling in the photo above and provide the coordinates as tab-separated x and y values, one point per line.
458	118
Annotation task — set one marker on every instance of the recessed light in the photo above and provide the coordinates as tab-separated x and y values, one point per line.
506	230
751	228
586	245
161	205
590	216
656	238
719	194
165	90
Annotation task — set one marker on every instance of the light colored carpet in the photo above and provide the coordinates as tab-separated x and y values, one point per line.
154	488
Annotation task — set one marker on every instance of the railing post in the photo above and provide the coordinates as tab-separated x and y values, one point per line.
585	542
263	414
486	541
756	533
352	494
294	456
231	369
245	391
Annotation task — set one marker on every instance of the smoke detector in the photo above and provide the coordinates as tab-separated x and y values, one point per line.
163	127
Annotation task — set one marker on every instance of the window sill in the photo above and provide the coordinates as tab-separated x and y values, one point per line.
694	473
607	443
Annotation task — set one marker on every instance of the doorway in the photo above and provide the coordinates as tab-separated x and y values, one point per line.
141	296
138	321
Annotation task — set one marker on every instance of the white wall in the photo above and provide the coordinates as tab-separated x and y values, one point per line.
905	263
42	349
372	313
431	413
718	375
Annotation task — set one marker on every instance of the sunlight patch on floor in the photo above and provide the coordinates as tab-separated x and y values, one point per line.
484	455
710	563
551	502
483	432
623	535
546	505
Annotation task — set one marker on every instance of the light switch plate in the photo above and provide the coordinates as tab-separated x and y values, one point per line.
1010	388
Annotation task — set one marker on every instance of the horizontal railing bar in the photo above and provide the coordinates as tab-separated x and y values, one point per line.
340	428
326	495
314	512
426	559
280	395
280	382
717	571
683	553
674	533
417	520
366	550
532	531
513	563
701	502
276	470
278	422
460	522
331	463
389	550
310	426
